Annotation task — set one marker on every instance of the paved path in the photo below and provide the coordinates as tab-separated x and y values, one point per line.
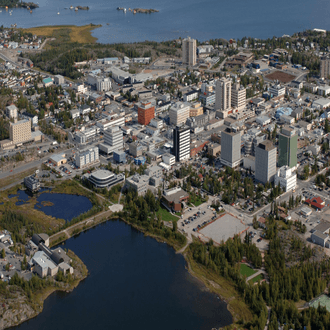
81	223
260	271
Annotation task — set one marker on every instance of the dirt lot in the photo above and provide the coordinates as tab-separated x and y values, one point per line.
281	76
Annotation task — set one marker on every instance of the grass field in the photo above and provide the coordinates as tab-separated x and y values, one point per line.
246	270
257	278
16	177
80	34
323	300
166	215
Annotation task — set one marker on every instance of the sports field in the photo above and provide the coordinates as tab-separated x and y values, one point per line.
323	300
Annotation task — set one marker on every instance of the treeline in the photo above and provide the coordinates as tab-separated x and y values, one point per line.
224	260
304	280
142	211
15	222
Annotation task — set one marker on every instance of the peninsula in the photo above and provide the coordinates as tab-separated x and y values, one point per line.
17	3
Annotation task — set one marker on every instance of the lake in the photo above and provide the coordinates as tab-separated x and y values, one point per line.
135	282
64	206
199	19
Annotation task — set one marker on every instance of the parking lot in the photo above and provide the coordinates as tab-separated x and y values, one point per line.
223	228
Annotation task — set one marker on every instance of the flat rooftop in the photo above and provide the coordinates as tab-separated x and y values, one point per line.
227	226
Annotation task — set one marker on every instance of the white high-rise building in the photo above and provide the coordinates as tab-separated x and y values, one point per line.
223	94
189	51
87	157
114	138
265	162
238	97
179	113
230	148
285	178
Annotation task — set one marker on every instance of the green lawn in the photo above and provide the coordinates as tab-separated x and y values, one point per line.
257	278
166	215
246	270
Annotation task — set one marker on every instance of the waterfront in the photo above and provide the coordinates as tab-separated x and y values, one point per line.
134	282
210	19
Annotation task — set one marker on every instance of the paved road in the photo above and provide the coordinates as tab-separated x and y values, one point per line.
260	271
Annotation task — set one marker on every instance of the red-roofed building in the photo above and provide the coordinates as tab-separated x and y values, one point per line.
316	202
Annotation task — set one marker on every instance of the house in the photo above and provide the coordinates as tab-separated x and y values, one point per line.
262	222
175	199
316	202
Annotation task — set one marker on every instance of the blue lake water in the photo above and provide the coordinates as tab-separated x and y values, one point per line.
135	282
199	19
64	206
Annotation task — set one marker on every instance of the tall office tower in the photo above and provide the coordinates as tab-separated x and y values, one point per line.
189	51
223	94
325	67
179	113
265	162
287	147
113	137
146	112
230	148
238	97
181	143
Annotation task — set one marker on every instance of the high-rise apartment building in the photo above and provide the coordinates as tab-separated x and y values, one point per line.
87	157
189	51
238	97
287	147
20	131
179	113
181	143
325	67
230	148
223	94
146	111
114	138
265	162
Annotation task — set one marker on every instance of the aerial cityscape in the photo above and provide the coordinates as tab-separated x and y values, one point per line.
178	181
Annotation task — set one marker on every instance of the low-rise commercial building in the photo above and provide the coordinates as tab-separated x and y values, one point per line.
105	179
175	199
139	183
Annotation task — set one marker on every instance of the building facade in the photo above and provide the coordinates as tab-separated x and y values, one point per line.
179	113
286	179
238	97
223	94
265	162
114	138
196	109
230	148
287	145
181	143
146	112
325	67
87	157
20	131
189	51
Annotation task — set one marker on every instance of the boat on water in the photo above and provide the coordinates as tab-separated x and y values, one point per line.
58	13
76	8
125	10
0	11
71	7
30	11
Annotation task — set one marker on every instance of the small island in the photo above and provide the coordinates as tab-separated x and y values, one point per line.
83	7
145	11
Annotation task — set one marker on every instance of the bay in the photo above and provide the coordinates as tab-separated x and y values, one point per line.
199	19
135	282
